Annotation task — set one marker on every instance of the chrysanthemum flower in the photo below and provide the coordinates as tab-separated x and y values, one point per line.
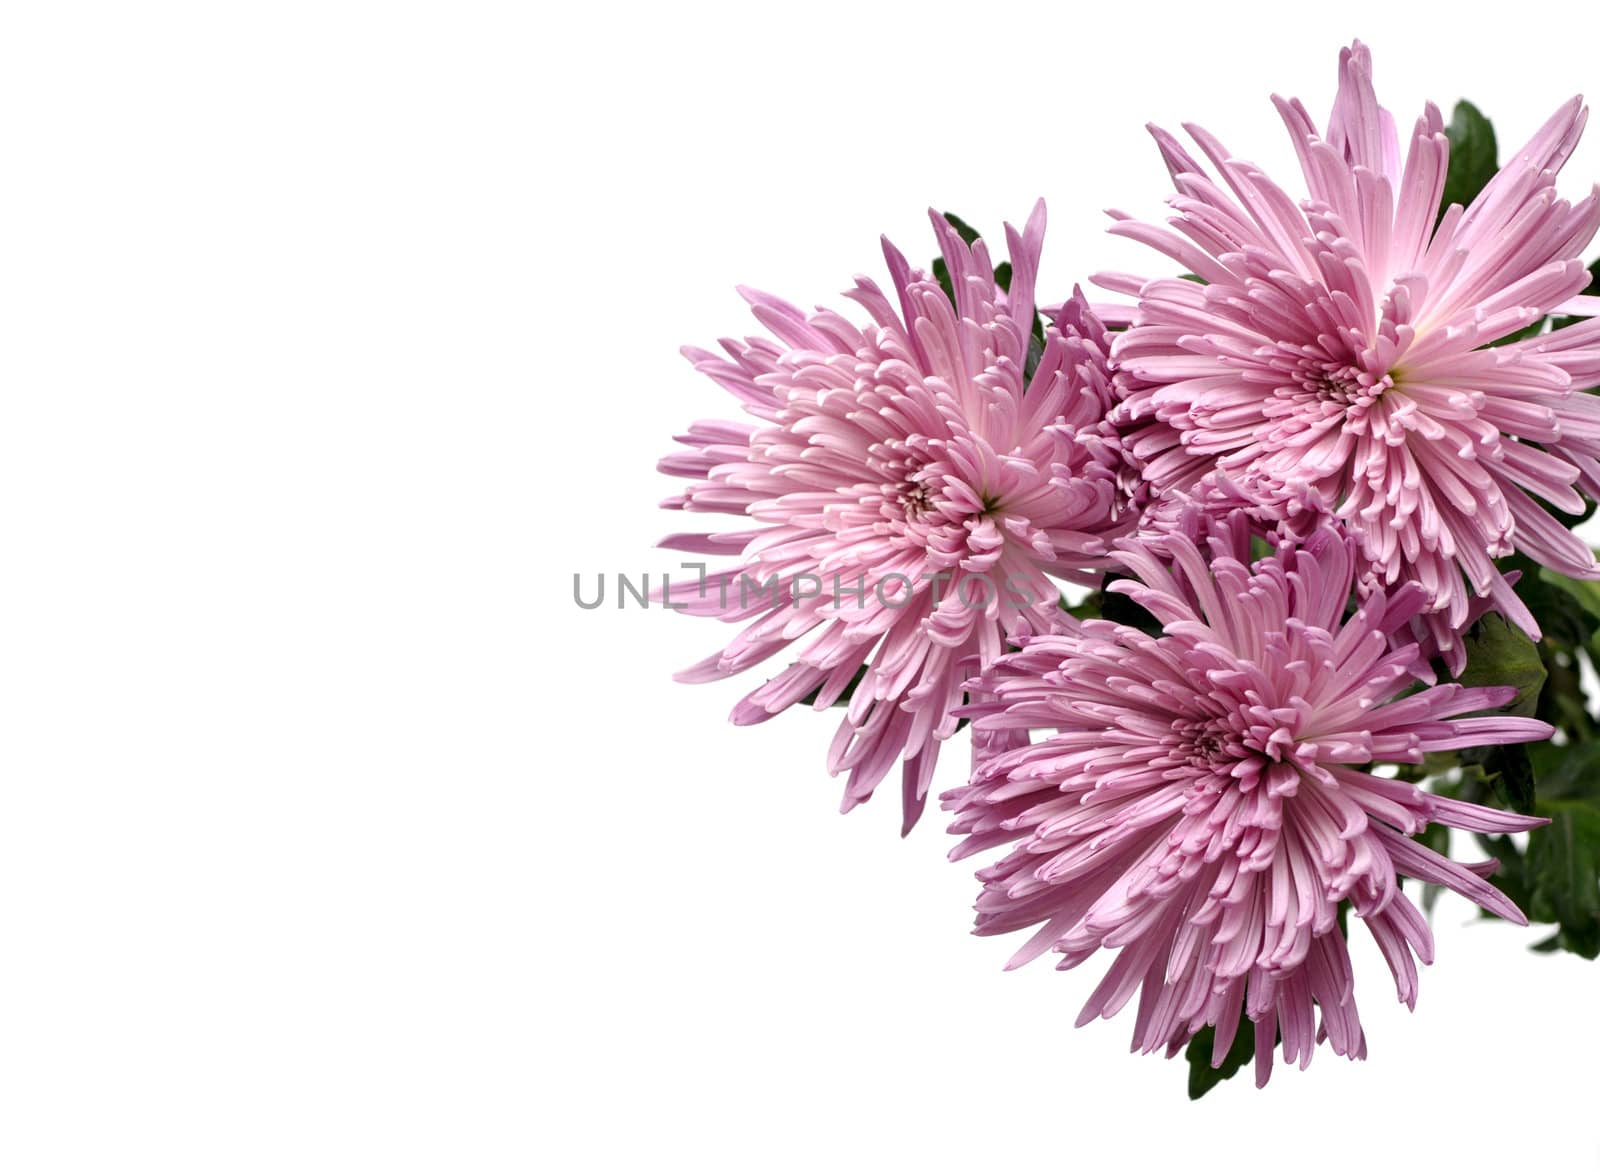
1278	513
1203	800
1340	344
912	493
1283	516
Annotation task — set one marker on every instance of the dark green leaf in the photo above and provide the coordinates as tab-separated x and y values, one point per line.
1567	773
1570	520
1089	608
1563	865
1116	607
1568	610
1202	1075
1569	616
1436	837
1511	777
1472	156
1557	879
963	229
1532	329
1499	654
1503	774
1511	878
1002	275
1560	593
1035	356
1573	520
844	696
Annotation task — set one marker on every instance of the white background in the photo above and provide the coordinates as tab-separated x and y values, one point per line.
334	836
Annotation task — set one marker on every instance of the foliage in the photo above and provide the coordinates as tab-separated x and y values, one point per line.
1472	156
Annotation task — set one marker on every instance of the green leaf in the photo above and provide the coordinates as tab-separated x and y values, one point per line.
844	696
1436	837
1571	520
1035	356
1568	610
1511	776
963	229
1511	878
1585	594
1202	1075
1557	879
1089	608
1116	607
1567	773
1498	654
1002	275
1569	615
1531	330
1504	773
1563	866
1472	156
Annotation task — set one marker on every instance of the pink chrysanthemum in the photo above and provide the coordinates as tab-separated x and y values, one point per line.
1201	800
1284	516
1341	345
1279	513
911	491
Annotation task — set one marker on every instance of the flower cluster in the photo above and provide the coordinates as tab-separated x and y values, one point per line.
1298	477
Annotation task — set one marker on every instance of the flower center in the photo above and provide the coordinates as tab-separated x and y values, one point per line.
916	498
1342	384
1203	743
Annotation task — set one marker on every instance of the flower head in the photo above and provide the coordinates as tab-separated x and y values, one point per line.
1341	344
913	483
1203	800
1281	514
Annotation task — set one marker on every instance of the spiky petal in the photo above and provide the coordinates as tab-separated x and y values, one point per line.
1341	344
913	493
1201	801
